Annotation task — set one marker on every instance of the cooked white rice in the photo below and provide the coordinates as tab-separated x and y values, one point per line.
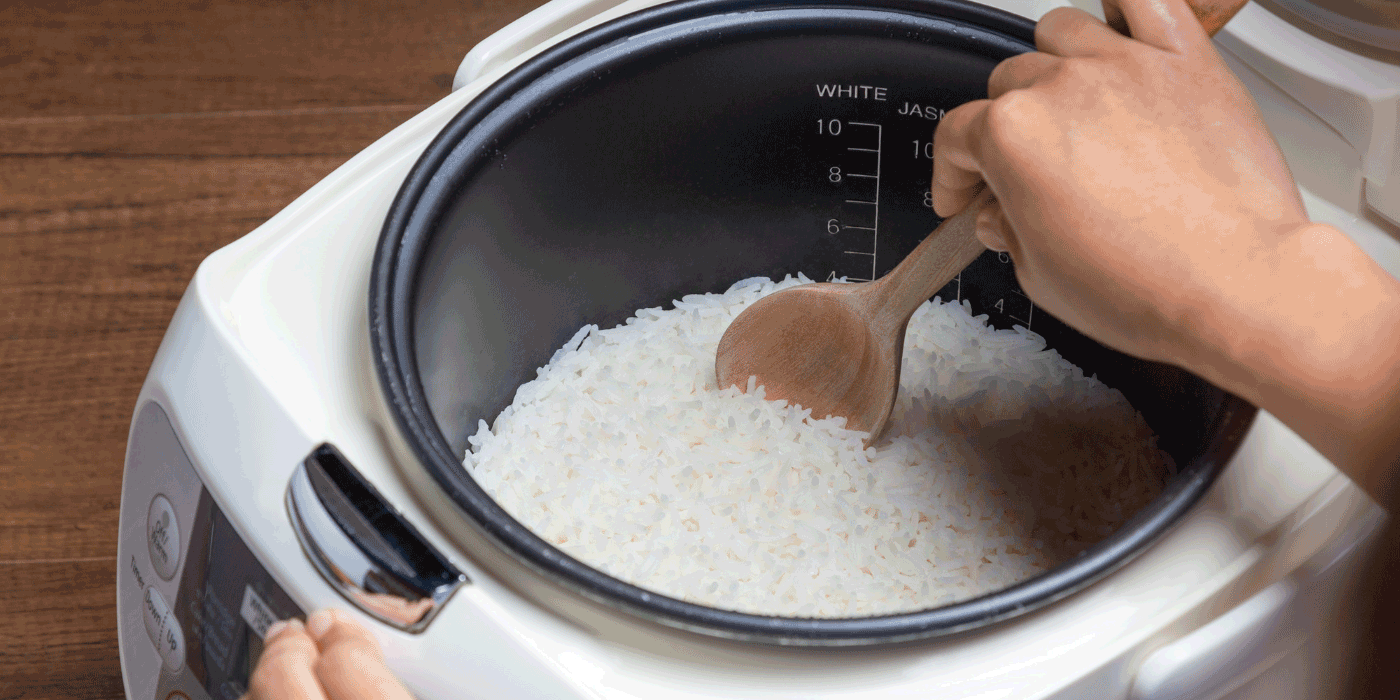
1002	460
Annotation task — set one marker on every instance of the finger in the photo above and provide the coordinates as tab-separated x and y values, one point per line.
1020	72
992	229
1073	33
1215	14
351	665
285	671
1166	24
1113	17
956	173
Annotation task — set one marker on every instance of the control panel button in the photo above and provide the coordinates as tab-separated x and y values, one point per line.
163	537
164	630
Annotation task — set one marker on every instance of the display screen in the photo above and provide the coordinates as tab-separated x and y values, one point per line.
226	602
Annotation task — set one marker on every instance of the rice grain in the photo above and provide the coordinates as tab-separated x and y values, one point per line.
1002	460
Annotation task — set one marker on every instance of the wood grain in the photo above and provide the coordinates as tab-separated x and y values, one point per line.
273	132
135	139
136	57
60	630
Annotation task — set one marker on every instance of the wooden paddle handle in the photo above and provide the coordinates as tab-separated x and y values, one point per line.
936	261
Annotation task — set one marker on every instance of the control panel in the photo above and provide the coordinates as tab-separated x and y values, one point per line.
193	601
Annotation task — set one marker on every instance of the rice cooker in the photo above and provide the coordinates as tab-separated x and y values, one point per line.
298	441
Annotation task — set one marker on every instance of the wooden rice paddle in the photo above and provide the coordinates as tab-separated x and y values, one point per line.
836	348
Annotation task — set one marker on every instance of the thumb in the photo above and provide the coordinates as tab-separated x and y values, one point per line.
351	665
992	228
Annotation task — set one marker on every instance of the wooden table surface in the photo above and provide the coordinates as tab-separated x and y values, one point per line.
135	139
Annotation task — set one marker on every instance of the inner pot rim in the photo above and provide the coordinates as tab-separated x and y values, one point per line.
448	161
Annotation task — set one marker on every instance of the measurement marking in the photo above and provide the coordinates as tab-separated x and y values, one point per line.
875	236
959	280
874	228
1018	293
856	279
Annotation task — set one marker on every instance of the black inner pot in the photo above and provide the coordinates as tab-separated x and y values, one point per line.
676	151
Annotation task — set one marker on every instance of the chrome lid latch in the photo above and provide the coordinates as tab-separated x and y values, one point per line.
365	548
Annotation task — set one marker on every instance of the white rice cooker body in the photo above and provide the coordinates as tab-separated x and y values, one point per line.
268	356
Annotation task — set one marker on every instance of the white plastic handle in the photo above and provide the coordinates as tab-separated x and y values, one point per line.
1357	96
1230	651
524	34
1237	647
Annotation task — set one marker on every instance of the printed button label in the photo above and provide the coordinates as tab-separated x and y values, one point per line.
163	537
164	631
255	612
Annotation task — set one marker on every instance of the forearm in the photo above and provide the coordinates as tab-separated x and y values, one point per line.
1313	337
